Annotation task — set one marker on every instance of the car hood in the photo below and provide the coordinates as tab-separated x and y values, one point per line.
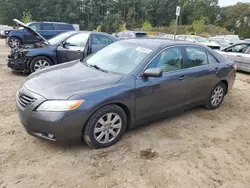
33	32
65	80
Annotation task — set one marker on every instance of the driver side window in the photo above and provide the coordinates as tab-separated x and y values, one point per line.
169	60
78	40
239	48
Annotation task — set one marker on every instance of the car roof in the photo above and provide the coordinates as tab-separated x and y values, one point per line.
156	42
51	22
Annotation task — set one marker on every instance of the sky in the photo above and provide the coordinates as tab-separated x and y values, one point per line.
223	3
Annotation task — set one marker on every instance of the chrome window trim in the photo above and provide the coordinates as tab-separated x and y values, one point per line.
182	46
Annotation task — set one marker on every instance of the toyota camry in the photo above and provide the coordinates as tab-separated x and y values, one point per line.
124	85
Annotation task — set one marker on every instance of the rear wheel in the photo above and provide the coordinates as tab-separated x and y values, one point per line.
105	127
14	42
39	63
216	97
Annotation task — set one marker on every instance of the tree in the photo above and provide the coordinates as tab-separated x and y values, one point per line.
26	18
146	26
122	27
199	26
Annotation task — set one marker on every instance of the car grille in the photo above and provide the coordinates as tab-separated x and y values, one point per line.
25	100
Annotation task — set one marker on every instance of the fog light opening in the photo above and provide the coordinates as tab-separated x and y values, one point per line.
47	136
51	136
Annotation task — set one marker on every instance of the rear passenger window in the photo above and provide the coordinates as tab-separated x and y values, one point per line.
64	27
196	57
211	59
48	26
101	40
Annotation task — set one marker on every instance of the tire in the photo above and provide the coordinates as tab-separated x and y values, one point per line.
39	63
14	42
216	99
97	123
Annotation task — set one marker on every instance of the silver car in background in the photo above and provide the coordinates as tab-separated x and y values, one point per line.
240	54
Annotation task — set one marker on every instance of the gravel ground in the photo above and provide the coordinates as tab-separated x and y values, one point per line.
198	148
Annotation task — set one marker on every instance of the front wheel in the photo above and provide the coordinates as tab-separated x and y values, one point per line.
216	97
105	127
14	42
39	63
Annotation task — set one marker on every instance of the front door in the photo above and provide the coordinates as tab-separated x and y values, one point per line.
73	48
161	95
201	75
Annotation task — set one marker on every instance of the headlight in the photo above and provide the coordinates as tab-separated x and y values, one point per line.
59	105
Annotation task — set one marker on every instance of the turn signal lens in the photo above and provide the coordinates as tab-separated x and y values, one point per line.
76	105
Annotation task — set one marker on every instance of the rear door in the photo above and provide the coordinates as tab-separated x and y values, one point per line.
73	48
99	41
202	69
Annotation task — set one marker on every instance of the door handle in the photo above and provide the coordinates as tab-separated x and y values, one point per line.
182	77
238	56
79	51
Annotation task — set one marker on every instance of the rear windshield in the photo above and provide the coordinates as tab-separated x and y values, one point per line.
141	34
65	27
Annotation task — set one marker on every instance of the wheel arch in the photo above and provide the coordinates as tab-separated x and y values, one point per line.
36	56
226	84
121	105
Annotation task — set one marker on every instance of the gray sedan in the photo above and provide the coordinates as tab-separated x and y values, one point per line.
240	54
122	86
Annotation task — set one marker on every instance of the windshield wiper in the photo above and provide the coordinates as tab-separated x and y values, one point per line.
94	66
98	68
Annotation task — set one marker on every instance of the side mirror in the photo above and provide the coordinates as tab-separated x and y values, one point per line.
153	72
64	44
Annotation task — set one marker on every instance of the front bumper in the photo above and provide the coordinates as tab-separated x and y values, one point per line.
53	126
17	62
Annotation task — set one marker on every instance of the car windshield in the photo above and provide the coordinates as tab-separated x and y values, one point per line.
59	38
120	57
224	43
200	39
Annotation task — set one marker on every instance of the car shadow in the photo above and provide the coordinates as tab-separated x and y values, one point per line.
76	145
20	74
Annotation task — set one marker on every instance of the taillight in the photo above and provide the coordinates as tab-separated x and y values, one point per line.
235	67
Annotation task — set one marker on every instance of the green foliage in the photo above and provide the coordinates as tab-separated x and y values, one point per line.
99	28
199	26
122	27
211	30
111	14
26	18
146	26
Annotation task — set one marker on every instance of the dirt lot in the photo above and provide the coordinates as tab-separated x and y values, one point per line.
198	148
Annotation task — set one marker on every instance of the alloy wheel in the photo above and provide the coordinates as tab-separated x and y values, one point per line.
217	96
14	42
107	128
41	64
